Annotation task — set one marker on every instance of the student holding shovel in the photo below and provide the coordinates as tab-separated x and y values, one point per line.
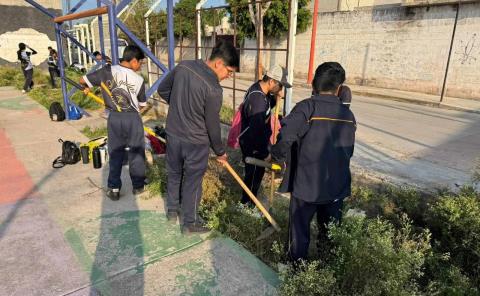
194	94
319	135
256	130
123	92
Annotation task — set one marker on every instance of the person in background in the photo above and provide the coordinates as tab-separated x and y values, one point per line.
23	56
53	65
98	56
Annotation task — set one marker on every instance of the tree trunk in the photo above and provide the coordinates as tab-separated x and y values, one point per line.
257	20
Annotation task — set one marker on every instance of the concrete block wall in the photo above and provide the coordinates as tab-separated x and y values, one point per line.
401	48
21	22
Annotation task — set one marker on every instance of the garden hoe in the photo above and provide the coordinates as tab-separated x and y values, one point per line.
271	229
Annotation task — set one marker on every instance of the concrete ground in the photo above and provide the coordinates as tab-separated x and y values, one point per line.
59	234
403	138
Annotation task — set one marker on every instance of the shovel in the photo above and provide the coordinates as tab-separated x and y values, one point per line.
271	229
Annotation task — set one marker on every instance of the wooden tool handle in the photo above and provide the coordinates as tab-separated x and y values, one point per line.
252	196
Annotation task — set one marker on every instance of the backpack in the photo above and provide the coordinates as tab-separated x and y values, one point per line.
73	112
70	154
56	112
235	131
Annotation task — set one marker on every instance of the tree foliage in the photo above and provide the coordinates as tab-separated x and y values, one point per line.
275	20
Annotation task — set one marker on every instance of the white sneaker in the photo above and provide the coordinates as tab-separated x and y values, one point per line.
23	91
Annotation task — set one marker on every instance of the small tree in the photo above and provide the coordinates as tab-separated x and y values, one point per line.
134	20
270	19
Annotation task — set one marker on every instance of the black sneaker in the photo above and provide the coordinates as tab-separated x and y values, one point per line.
172	216
194	228
113	193
138	191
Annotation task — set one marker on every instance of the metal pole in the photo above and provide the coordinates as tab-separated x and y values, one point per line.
147	39
234	44
58	38
100	32
312	43
82	41
92	32
170	36
155	49
198	50
449	53
291	53
259	12
88	42
69	22
79	53
112	28
69	48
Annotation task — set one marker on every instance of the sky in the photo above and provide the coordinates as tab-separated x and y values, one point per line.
93	3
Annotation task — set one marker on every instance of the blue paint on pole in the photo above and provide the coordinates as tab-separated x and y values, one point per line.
112	22
100	31
170	36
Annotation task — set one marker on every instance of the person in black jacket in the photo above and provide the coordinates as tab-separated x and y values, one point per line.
256	129
194	94
27	67
53	65
318	139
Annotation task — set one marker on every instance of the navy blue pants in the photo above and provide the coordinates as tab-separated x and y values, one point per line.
186	165
301	215
28	79
125	129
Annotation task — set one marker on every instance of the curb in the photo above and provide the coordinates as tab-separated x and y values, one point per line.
415	101
402	99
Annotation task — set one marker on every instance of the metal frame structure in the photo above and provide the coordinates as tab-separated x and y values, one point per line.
289	51
109	7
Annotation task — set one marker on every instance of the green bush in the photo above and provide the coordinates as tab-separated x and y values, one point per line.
443	278
308	278
455	223
368	257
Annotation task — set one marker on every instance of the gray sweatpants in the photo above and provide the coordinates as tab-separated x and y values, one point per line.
125	129
186	165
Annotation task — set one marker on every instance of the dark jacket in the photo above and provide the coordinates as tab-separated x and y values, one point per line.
318	139
256	129
195	96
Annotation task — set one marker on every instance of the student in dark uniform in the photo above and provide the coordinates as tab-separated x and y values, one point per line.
256	129
194	95
318	137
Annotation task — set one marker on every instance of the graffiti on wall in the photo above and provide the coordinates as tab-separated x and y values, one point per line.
467	50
